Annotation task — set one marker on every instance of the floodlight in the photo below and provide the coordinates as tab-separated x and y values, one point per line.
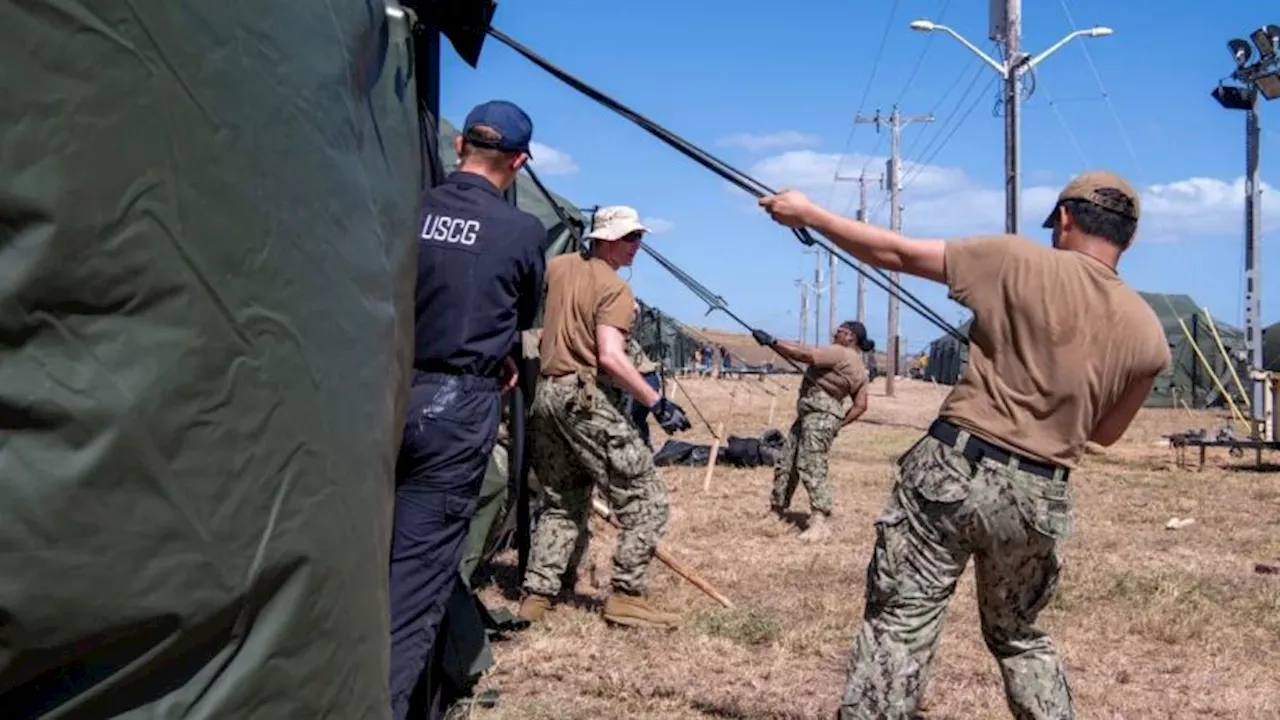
1241	51
1100	31
1268	85
923	25
1233	97
1266	40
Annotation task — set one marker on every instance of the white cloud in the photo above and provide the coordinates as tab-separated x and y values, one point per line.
550	161
657	225
947	202
763	142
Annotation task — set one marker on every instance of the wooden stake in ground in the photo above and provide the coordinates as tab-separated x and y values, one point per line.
676	566
715	445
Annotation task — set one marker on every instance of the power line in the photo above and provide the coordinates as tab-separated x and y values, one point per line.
1106	95
866	92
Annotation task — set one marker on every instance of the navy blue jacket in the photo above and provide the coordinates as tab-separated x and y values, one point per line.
480	271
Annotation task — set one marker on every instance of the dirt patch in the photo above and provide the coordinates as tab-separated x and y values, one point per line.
1153	623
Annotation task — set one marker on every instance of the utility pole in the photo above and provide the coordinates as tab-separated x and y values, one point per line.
804	309
831	292
862	179
1006	29
817	298
894	121
1012	112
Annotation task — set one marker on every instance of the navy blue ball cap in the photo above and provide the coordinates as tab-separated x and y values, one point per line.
505	118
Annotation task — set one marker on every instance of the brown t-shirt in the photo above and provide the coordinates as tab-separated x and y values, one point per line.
581	293
838	370
1056	339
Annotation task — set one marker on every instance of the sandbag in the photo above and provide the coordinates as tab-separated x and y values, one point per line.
207	253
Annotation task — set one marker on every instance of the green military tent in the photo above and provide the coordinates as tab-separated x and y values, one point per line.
665	339
1186	380
1271	347
207	247
947	356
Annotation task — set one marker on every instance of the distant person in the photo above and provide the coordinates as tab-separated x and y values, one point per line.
1062	352
578	440
834	373
480	270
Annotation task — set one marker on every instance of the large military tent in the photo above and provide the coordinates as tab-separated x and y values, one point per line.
207	223
665	339
1271	347
947	355
1186	380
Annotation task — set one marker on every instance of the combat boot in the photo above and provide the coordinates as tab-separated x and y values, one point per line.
534	607
818	529
636	611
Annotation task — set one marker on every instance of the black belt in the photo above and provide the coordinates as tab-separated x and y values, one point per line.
976	448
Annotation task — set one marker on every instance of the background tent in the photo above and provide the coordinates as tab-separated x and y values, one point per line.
1271	347
206	300
665	339
947	356
1185	380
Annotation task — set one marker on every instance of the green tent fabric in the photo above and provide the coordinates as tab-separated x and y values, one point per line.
1271	347
207	223
947	356
664	339
1186	379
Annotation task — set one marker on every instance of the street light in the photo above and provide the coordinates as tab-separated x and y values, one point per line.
1011	70
1251	79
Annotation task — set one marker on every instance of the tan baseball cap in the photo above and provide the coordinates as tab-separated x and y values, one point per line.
1086	186
615	222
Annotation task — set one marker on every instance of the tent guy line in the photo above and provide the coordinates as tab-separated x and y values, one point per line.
729	173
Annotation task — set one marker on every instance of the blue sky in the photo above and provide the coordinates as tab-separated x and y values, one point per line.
774	91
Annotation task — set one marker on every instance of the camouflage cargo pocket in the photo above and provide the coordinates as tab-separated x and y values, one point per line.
1045	504
938	472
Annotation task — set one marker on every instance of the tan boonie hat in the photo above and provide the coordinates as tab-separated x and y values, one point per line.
615	222
1086	186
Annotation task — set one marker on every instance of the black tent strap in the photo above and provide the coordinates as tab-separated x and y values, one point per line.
715	301
729	173
573	227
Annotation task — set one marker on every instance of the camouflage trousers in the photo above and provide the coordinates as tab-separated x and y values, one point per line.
804	458
944	509
577	441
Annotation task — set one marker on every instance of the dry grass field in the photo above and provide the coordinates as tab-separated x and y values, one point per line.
1153	622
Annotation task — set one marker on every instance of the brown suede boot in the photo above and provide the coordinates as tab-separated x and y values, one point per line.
818	528
636	611
534	607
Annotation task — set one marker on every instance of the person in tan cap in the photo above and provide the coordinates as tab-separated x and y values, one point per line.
1061	352
578	439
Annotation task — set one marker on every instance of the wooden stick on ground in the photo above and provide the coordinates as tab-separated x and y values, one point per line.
676	566
715	445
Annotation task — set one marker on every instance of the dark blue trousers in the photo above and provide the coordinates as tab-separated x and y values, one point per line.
448	436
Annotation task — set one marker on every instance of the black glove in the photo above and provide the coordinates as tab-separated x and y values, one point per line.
670	416
763	338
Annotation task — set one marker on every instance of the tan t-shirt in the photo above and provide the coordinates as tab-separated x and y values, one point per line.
1056	338
580	294
838	370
